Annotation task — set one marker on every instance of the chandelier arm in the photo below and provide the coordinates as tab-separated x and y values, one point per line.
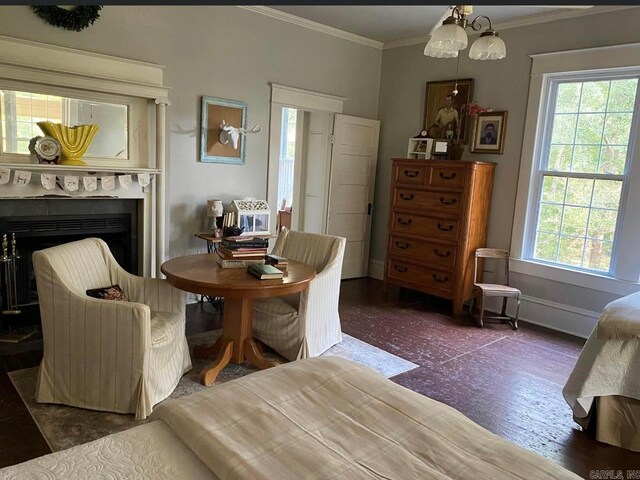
475	25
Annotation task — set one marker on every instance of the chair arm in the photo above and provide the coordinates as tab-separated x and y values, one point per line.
157	293
323	292
88	326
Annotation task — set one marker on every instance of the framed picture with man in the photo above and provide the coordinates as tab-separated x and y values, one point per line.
443	116
489	132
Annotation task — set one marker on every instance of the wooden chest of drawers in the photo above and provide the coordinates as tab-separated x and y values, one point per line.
439	216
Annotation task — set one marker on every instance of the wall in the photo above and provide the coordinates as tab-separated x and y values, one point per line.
501	85
226	52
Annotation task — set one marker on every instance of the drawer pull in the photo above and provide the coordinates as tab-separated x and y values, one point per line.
400	269
402	245
447	177
447	202
445	228
440	254
403	196
439	280
411	173
404	222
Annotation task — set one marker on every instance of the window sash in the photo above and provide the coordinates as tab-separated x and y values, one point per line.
547	113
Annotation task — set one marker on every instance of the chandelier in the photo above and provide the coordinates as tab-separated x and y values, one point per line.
450	37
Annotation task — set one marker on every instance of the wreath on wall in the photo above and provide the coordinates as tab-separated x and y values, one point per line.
77	18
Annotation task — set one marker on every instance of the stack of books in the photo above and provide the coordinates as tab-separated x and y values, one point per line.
265	272
277	261
242	252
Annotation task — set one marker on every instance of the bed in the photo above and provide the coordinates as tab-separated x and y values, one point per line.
319	418
603	389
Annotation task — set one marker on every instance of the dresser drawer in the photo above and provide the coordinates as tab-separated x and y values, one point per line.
422	276
425	226
439	254
447	177
411	175
417	200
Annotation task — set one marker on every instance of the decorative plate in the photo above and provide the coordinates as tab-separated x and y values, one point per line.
47	149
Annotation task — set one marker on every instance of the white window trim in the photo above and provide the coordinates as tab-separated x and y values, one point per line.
623	57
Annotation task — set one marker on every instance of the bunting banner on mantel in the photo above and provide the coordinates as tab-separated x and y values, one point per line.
5	175
144	179
48	181
125	181
90	183
71	183
20	177
108	182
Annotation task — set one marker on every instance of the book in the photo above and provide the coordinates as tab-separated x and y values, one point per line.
276	260
224	263
231	255
265	272
243	245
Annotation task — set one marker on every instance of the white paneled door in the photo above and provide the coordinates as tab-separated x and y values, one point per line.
353	170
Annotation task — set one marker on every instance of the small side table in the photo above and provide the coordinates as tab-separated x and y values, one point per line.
212	242
212	247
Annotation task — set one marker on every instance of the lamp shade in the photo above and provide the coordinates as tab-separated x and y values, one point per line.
446	41
214	208
489	46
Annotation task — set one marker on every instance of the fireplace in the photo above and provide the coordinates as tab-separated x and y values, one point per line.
36	232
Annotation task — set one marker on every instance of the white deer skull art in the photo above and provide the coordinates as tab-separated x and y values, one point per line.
229	133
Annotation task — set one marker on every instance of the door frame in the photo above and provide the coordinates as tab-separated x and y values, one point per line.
306	100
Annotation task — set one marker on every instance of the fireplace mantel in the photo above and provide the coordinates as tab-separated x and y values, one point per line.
33	66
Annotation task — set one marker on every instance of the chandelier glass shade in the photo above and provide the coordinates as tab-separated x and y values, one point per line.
489	46
449	38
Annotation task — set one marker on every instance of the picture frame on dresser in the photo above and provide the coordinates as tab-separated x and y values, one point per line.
489	132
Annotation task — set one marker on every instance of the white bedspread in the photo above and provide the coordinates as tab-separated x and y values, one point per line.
605	367
328	418
149	451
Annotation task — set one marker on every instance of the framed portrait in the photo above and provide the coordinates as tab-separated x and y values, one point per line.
214	112
489	130
442	110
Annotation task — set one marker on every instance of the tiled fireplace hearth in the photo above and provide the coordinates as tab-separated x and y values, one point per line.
43	223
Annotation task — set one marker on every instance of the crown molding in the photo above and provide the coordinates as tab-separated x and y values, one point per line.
311	25
522	21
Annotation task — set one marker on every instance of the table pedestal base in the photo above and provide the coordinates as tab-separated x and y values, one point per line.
236	344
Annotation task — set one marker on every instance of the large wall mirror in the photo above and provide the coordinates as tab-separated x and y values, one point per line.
21	111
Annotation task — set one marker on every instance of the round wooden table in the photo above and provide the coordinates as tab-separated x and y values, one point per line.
201	274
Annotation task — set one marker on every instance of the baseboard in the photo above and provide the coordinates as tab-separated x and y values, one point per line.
376	269
555	316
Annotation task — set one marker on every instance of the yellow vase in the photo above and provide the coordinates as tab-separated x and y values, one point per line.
74	141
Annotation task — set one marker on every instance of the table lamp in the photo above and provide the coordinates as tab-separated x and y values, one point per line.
215	211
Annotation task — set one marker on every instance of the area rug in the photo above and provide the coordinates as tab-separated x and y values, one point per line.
64	427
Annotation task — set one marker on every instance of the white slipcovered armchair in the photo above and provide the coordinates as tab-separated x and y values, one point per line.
107	355
305	324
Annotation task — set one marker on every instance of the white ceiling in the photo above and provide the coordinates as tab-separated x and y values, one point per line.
389	23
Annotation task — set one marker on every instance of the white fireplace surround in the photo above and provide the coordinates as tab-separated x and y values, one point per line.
38	67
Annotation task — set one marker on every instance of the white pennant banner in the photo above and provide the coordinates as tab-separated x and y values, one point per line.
48	181
5	175
125	181
90	183
108	183
144	179
71	183
21	177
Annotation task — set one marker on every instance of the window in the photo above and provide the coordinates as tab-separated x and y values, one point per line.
287	157
582	171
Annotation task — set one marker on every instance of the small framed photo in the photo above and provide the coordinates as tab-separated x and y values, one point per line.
440	147
489	132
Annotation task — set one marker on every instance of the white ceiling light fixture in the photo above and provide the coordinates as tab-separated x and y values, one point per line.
450	37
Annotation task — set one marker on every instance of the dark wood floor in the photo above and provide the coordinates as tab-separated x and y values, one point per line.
509	382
